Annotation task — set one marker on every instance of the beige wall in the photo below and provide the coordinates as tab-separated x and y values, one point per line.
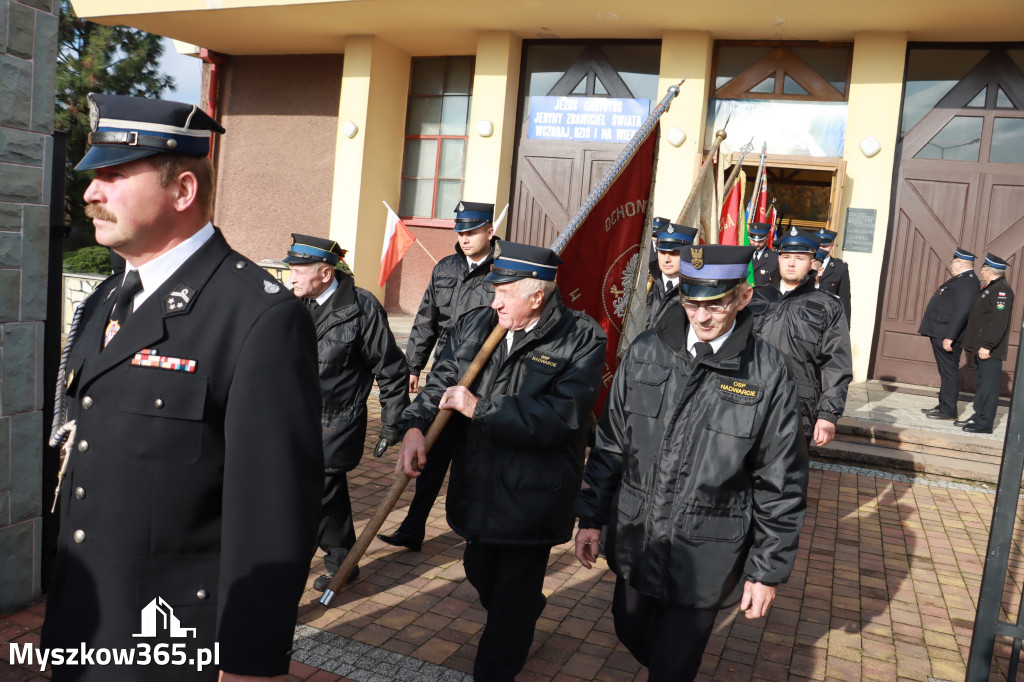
368	166
276	161
684	54
495	97
876	91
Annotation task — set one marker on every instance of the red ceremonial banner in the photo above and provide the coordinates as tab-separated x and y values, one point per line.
729	233
602	257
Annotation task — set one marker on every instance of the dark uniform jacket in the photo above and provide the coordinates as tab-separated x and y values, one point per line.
764	266
199	488
659	300
835	280
808	326
989	323
355	345
517	472
699	470
947	311
453	291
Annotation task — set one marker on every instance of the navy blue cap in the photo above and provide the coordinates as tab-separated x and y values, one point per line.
513	262
672	237
759	230
825	237
127	129
796	240
306	249
711	271
471	215
995	262
964	254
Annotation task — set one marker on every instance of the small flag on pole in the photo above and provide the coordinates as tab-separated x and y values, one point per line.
397	240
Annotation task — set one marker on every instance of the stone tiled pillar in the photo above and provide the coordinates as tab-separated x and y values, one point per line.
28	57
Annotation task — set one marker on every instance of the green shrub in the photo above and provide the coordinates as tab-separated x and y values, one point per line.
95	259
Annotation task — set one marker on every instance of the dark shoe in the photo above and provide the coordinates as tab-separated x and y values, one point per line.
939	415
965	422
975	428
321	583
402	539
926	410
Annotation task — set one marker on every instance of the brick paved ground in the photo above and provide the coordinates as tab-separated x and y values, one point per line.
884	589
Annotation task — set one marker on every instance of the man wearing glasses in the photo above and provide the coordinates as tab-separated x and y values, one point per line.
699	470
809	326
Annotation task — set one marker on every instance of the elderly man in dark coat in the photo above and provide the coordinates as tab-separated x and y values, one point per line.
943	323
523	426
987	336
188	511
355	346
699	471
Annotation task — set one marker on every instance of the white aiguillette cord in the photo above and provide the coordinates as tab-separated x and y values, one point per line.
61	429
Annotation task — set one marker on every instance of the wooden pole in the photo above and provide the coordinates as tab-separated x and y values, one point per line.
348	565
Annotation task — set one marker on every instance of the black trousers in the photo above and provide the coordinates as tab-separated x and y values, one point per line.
337	534
987	396
510	580
949	377
666	638
428	486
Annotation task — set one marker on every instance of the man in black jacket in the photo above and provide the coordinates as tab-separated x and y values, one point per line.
458	285
355	345
834	275
809	327
699	471
943	323
987	335
765	261
669	239
522	426
191	488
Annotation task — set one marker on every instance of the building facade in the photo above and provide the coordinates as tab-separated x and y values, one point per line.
899	125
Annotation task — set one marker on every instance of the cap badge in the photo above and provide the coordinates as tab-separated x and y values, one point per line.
793	232
697	258
94	115
670	229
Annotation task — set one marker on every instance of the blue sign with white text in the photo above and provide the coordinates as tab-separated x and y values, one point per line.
586	119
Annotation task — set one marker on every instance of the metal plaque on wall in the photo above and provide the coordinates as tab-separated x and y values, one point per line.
859	234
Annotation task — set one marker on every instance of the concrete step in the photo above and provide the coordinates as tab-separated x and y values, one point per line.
918	450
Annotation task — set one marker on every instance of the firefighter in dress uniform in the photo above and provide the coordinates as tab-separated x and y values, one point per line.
192	487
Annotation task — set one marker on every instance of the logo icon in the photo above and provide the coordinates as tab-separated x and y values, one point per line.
158	617
697	260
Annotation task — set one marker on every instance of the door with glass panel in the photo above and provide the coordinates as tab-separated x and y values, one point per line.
560	154
960	183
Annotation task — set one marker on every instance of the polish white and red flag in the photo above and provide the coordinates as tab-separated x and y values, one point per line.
397	240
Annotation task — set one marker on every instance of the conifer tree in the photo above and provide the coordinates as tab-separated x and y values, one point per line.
116	60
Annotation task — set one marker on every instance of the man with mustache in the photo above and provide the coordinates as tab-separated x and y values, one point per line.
189	508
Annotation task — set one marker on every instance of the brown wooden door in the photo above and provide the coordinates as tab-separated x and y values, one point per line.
941	204
552	179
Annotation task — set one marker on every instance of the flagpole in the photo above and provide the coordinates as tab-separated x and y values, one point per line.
429	255
616	168
719	137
